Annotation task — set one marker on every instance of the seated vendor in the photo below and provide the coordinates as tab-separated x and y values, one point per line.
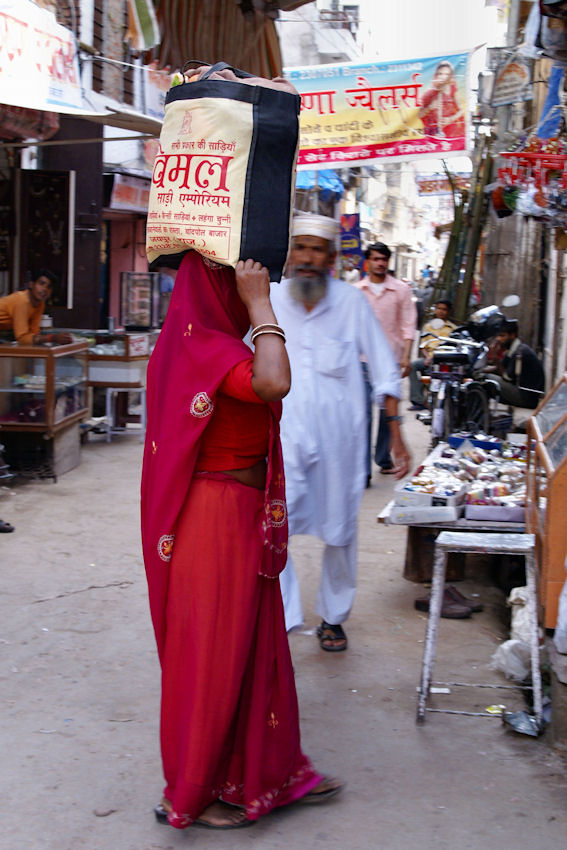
521	378
21	312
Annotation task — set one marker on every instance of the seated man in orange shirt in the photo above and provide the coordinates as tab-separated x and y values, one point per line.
21	312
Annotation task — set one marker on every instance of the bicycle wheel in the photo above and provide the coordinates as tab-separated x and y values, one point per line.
476	409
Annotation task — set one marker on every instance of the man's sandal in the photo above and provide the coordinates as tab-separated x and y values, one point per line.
5	527
331	638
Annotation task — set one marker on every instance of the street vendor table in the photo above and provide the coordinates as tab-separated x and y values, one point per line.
420	543
421	536
517	544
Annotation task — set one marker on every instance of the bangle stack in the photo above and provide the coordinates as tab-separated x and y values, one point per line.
266	328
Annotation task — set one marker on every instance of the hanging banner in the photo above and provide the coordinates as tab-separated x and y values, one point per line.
157	83
39	67
350	239
356	114
436	184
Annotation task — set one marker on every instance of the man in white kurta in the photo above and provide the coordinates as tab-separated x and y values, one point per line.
323	427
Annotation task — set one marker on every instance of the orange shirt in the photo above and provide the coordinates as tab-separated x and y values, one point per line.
237	435
17	314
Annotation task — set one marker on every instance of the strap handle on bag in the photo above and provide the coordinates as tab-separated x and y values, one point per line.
218	66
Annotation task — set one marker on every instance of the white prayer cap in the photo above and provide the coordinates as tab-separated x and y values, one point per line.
310	224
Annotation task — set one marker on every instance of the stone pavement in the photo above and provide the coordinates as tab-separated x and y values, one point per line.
79	693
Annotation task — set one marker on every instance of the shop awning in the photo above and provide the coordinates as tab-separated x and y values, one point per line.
136	122
327	182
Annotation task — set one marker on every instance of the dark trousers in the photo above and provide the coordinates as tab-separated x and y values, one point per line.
382	453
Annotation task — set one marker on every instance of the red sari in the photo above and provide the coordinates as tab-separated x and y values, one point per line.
212	549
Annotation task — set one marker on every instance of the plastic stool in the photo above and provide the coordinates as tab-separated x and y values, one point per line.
481	543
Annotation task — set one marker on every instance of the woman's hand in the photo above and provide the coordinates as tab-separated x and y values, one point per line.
271	378
252	283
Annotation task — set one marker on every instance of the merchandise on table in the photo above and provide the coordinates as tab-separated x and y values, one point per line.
489	482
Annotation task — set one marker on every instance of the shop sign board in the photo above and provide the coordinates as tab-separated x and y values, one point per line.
512	82
355	114
39	67
350	239
130	193
437	184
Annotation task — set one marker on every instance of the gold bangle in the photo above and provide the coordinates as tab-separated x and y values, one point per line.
260	333
266	325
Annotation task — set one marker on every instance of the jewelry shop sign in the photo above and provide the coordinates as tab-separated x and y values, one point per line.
356	114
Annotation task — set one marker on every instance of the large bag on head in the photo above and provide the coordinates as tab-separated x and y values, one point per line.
224	176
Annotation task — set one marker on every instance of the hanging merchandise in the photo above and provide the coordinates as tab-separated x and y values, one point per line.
535	181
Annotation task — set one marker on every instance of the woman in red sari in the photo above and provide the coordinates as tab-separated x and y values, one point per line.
440	110
214	530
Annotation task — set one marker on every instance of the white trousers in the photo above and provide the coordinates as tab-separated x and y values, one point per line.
337	587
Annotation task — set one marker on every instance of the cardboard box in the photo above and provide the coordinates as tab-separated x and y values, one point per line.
495	513
415	497
415	514
487	445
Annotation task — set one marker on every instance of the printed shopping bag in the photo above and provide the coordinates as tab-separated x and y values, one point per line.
224	176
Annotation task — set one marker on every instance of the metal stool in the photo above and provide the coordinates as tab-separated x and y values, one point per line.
110	392
489	543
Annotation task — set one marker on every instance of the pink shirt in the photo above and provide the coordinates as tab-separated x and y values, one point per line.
395	310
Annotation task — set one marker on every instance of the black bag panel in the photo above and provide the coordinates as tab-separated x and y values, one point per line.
266	217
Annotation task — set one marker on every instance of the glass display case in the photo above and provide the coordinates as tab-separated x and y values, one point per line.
547	491
118	359
42	388
142	306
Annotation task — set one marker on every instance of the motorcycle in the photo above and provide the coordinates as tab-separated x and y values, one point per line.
461	396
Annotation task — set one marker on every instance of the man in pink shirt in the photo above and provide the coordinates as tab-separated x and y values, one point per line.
394	308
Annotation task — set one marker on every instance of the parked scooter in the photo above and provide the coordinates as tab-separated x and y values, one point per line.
461	396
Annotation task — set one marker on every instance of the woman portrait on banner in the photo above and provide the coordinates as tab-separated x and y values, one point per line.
214	529
441	111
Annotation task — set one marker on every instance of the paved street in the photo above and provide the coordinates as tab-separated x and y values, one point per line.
79	693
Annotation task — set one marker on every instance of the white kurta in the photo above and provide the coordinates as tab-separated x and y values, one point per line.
323	426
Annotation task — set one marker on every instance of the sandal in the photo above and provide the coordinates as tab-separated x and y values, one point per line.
314	797
329	636
5	527
161	816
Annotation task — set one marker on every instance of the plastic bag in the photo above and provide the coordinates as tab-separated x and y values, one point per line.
560	636
521	627
513	658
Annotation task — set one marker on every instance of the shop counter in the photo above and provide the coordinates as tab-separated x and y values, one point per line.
43	396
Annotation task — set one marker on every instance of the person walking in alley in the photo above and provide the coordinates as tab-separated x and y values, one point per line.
214	531
393	306
329	325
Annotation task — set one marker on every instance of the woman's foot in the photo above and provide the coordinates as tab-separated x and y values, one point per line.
218	815
327	788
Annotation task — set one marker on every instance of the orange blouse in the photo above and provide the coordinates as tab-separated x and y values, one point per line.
237	435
